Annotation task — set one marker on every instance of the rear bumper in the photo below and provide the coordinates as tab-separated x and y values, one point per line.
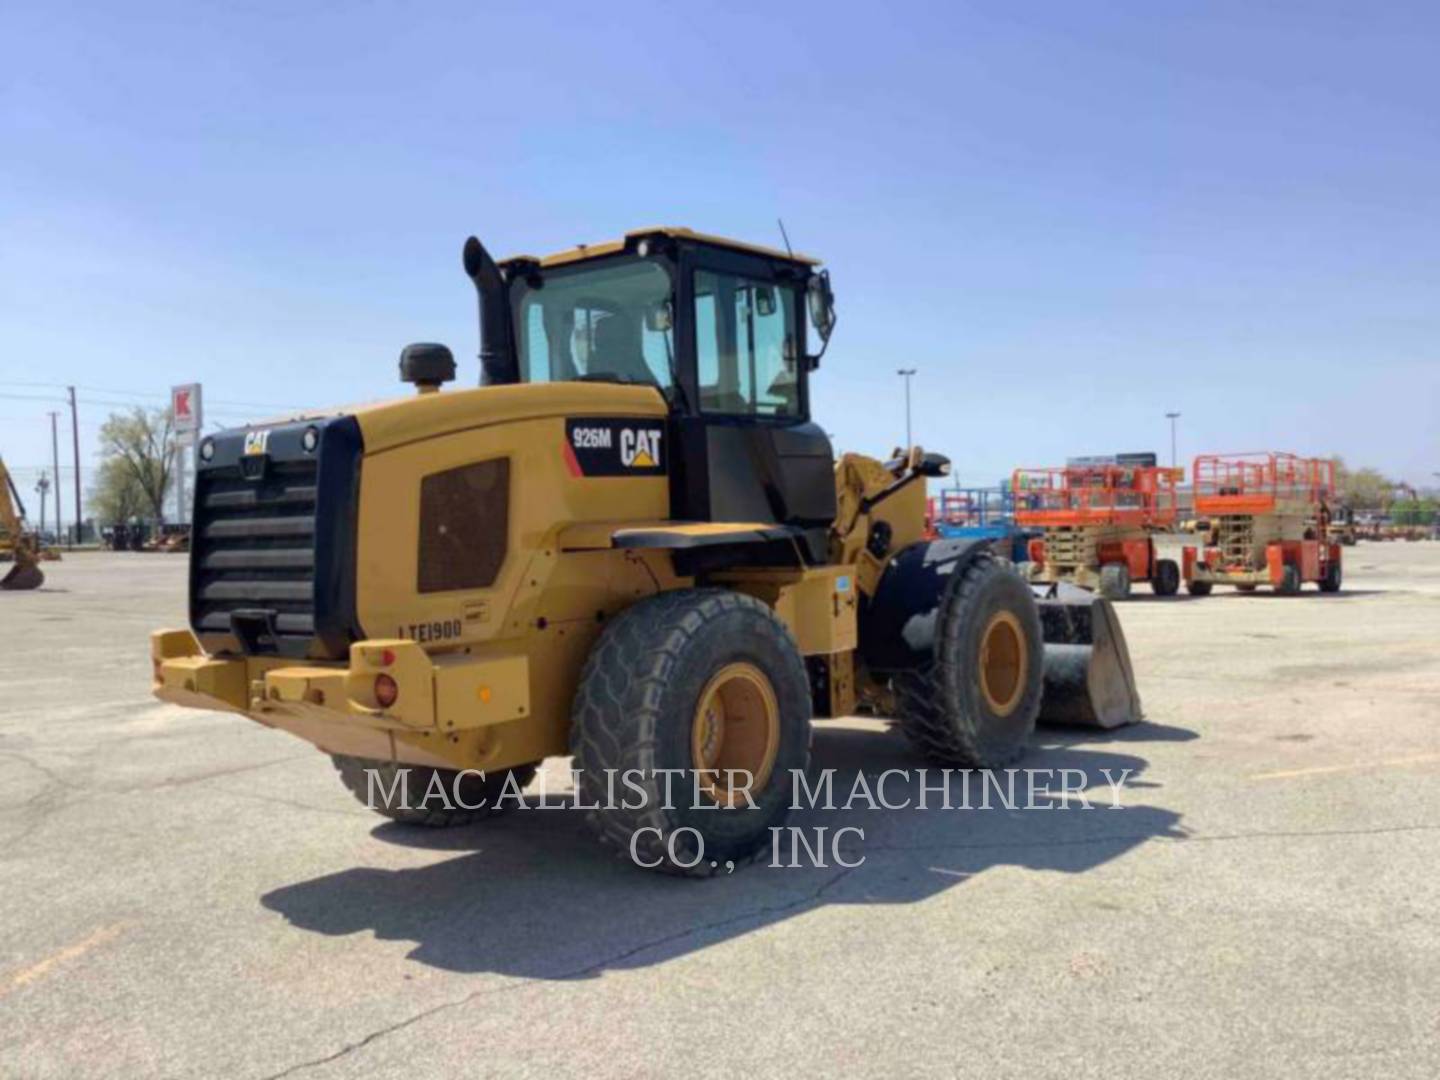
448	710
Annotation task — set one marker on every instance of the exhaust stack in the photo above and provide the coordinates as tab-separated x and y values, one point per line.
497	343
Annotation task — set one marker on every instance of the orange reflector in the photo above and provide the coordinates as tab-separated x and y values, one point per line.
386	691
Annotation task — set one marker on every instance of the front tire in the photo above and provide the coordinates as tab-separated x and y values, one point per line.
975	705
1330	583
706	681
1289	580
1166	581
1115	581
1199	588
412	794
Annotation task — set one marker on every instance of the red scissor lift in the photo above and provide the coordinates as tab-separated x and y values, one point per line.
1268	521
1098	523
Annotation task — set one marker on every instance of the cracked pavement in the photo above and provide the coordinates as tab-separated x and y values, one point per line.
189	894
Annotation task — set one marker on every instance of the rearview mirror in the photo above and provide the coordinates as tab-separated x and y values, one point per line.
658	317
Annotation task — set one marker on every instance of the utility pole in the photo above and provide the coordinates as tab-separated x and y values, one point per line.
55	468
75	436
1172	417
42	488
906	373
179	480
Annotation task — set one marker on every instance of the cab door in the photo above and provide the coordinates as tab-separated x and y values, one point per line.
748	449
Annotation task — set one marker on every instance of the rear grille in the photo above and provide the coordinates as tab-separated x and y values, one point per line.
254	547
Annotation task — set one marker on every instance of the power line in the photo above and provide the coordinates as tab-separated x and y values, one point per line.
149	395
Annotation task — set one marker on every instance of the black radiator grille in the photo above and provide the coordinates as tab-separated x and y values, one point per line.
254	547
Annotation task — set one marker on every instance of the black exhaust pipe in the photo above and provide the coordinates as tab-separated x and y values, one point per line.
497	343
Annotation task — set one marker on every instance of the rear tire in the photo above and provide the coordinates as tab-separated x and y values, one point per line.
1289	580
692	680
1166	581
1246	586
975	705
412	800
1330	583
1115	581
1199	588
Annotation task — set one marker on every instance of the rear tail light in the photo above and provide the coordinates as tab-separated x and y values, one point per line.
386	691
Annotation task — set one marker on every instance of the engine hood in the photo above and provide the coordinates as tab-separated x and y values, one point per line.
401	420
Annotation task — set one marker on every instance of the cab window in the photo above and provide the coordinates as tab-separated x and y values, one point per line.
746	343
609	323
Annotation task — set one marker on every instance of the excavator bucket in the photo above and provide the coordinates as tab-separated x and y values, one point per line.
23	575
1089	681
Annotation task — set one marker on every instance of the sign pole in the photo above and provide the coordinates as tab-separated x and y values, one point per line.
185	410
179	480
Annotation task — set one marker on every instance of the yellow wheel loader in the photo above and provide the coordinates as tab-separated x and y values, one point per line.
630	544
15	542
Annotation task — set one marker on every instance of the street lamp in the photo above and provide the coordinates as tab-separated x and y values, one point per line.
1172	417
906	373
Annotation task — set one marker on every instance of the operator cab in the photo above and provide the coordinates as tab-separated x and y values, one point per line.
719	328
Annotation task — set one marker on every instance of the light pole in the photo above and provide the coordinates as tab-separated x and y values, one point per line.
1172	417
906	373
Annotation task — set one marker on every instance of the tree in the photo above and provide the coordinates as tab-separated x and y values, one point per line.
1362	489
117	497
138	452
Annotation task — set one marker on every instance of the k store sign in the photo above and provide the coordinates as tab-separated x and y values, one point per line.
185	404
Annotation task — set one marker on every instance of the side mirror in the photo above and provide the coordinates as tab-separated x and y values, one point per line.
821	299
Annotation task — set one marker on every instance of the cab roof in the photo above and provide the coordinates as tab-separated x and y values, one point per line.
678	232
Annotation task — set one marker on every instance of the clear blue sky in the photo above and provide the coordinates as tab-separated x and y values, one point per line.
1070	217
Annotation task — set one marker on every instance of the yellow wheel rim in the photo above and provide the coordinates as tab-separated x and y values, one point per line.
736	731
1004	663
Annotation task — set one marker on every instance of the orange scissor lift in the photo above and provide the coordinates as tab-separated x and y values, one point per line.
1269	523
1098	523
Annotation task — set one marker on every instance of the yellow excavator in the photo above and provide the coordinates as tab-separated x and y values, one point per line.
17	542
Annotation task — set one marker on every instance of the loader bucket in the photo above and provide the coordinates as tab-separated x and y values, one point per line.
23	575
1088	677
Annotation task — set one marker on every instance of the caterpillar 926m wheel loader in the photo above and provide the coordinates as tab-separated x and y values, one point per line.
629	544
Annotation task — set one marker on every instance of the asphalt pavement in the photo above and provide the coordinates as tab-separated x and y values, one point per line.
191	894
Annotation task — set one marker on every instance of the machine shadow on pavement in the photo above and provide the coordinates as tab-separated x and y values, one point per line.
531	894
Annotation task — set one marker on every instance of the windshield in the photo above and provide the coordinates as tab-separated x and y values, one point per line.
610	323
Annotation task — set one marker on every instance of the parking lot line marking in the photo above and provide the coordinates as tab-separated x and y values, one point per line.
70	952
1286	774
